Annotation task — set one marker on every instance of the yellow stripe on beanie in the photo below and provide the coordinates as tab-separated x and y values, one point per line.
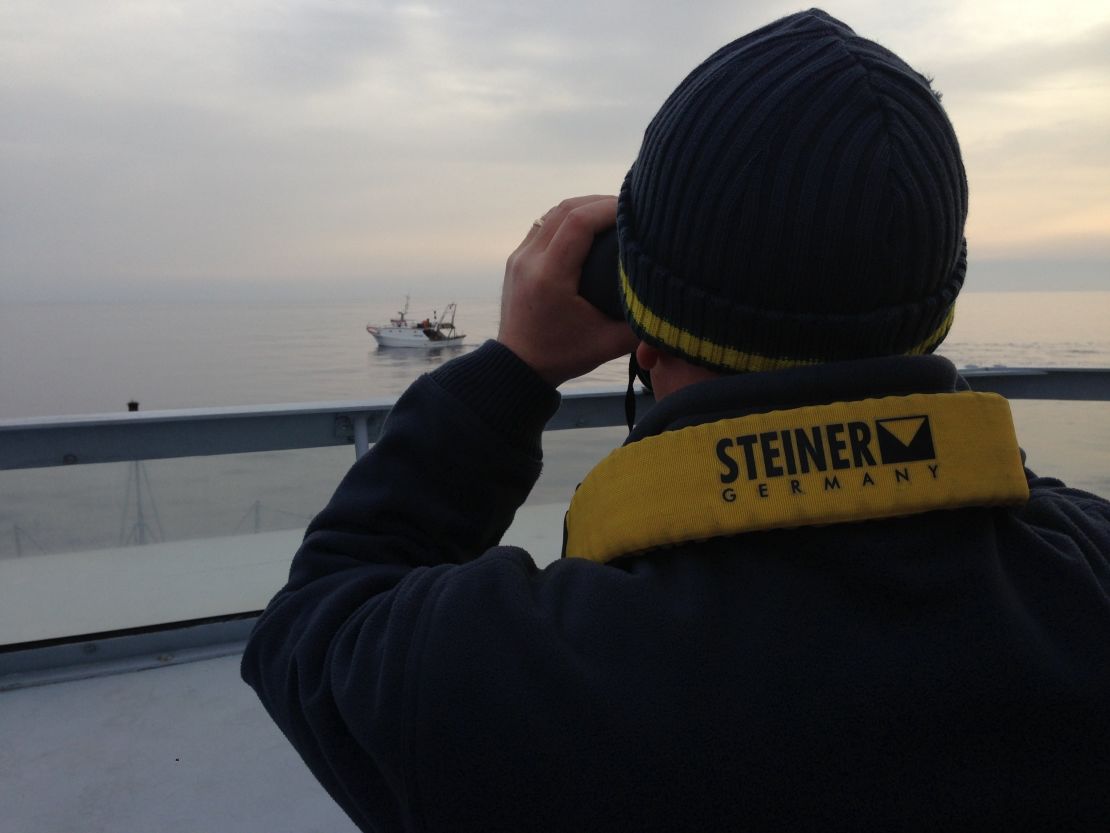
729	358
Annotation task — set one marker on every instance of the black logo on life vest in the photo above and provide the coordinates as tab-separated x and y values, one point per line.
905	439
837	446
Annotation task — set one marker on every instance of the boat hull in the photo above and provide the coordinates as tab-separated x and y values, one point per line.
410	337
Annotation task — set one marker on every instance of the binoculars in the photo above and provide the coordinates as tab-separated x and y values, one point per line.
600	280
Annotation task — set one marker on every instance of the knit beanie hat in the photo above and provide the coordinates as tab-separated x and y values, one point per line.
800	198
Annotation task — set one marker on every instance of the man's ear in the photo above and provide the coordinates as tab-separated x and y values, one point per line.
646	355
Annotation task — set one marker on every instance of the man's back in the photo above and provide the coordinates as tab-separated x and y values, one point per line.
915	673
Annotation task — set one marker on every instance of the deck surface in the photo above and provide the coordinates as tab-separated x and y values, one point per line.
182	748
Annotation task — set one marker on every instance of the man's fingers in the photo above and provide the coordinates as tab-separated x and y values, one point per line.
532	232
543	318
571	242
544	227
555	217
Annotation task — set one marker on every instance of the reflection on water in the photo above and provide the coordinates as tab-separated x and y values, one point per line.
1030	329
394	368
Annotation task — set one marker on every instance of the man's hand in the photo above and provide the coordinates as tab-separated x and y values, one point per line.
544	320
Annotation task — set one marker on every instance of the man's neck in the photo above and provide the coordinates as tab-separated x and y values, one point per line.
720	395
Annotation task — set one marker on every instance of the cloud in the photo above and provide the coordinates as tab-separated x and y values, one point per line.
204	142
1079	272
303	47
1081	60
1033	116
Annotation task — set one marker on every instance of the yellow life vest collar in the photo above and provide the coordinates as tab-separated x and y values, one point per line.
821	464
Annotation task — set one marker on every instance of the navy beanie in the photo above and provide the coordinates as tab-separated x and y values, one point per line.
798	199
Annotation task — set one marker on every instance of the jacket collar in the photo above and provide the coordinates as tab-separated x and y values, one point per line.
833	444
757	393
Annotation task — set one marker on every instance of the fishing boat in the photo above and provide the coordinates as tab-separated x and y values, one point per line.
437	331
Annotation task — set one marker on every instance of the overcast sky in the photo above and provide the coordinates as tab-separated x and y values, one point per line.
293	149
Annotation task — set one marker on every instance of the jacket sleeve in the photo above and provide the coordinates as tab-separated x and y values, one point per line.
330	656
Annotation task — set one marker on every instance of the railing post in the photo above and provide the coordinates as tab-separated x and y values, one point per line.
362	433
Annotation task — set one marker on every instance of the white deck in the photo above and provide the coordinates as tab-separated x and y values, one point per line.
183	748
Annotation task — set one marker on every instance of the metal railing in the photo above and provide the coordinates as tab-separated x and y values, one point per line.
155	435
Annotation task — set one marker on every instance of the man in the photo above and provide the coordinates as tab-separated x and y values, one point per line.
816	590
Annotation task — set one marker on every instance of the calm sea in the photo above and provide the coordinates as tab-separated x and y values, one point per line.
58	359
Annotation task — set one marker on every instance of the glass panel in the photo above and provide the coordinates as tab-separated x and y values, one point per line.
85	549
1066	440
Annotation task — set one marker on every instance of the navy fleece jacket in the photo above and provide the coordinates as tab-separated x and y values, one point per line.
948	670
